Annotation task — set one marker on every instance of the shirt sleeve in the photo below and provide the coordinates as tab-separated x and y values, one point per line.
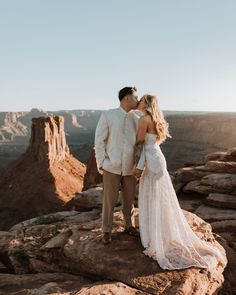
101	135
142	159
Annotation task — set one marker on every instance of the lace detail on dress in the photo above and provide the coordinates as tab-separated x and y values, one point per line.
164	231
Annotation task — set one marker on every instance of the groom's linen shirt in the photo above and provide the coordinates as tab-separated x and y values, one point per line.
115	137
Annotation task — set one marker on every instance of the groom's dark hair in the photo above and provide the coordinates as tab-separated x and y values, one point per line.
126	91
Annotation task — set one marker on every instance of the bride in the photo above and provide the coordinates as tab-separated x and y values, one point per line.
164	231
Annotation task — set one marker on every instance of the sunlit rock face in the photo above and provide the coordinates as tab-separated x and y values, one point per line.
44	178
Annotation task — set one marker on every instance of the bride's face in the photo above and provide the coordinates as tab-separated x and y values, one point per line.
142	105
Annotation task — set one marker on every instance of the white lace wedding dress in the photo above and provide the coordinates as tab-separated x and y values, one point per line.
164	230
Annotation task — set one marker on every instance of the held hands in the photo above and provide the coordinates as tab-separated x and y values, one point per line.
137	156
137	173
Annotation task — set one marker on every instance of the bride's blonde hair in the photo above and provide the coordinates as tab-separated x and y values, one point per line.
152	108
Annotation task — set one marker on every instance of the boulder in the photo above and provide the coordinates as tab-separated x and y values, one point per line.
221	200
74	246
215	156
227	155
89	200
41	283
92	176
187	174
196	186
224	226
220	182
213	183
86	200
220	166
211	214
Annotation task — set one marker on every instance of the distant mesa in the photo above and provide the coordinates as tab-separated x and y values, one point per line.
44	178
37	110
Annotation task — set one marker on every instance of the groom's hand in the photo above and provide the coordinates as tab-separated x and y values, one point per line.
100	170
138	173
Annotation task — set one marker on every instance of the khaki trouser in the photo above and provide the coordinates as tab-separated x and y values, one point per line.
111	185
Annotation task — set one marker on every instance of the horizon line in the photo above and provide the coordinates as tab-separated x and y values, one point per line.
83	109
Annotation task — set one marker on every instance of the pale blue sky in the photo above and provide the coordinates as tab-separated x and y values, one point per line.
72	54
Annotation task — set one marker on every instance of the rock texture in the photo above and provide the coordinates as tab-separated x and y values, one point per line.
92	176
66	245
44	178
41	283
86	200
209	190
61	283
11	127
48	140
221	200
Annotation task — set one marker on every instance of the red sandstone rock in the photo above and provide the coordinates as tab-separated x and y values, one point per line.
92	176
213	197
75	246
44	178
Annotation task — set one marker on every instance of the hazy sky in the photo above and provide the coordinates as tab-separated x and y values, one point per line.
75	54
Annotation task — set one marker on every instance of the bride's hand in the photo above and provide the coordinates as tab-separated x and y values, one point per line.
138	173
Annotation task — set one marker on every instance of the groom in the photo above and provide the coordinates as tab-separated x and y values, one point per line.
115	139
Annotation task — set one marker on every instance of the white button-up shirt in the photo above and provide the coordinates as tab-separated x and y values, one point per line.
115	138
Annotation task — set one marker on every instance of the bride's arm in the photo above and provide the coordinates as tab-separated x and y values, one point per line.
139	153
142	129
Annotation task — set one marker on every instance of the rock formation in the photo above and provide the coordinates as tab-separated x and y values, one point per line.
92	176
14	125
209	190
11	127
48	253
48	141
44	178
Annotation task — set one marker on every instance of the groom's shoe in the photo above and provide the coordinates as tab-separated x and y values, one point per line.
106	238
131	231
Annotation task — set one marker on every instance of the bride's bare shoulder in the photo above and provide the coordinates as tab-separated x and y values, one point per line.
145	117
149	122
143	120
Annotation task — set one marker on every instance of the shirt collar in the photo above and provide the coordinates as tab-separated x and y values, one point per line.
122	110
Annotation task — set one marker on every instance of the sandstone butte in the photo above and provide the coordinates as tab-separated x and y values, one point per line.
44	178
